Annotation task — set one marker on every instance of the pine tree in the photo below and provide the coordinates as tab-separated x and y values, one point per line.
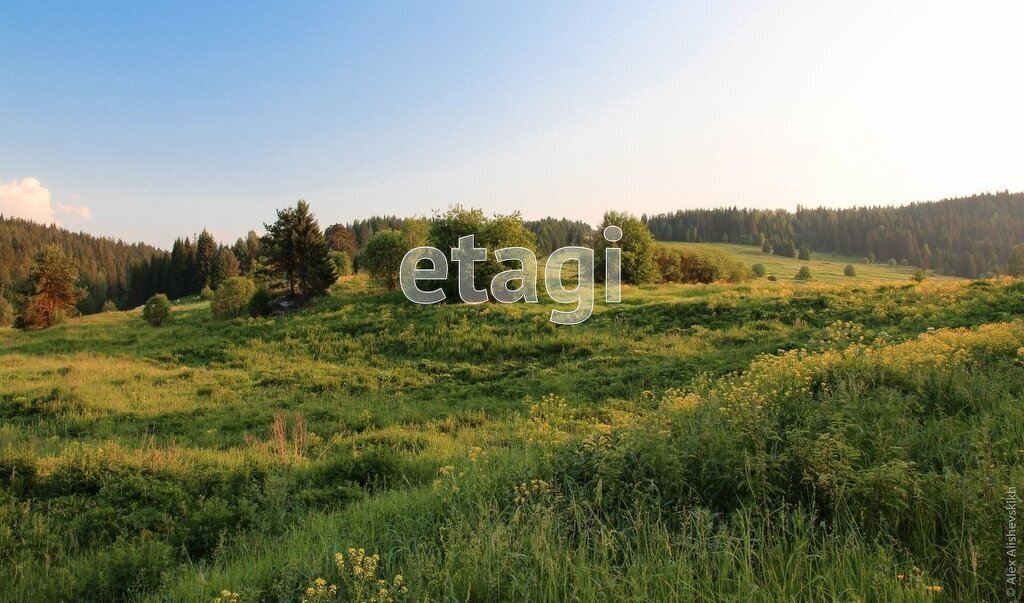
54	279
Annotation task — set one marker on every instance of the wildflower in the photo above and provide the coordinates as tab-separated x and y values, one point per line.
227	596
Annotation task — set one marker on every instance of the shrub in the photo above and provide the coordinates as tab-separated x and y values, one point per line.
804	274
758	270
261	303
157	310
919	275
233	297
342	262
109	306
6	312
696	265
122	570
206	293
849	270
786	249
382	257
772	278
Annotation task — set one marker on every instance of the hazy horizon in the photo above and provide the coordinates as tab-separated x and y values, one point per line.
148	123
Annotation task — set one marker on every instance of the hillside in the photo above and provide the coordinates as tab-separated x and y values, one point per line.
825	267
103	263
860	435
966	236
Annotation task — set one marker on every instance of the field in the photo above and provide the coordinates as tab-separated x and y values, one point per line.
840	439
825	267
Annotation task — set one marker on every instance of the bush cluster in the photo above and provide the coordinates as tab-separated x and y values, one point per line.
697	265
157	310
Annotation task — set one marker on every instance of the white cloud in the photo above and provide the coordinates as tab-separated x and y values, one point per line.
29	199
26	198
79	211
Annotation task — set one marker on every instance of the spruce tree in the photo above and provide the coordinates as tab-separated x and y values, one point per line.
224	267
206	261
298	251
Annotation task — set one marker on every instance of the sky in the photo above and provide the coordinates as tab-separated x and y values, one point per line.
150	120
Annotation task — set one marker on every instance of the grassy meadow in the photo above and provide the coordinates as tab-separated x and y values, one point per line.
825	267
837	439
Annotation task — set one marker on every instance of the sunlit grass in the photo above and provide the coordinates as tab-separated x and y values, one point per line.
180	461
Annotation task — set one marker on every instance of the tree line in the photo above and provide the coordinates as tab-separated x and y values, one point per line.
291	261
292	256
968	236
550	233
103	264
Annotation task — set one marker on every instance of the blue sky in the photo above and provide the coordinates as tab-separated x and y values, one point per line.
149	120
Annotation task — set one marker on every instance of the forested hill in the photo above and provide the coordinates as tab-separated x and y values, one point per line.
102	263
968	236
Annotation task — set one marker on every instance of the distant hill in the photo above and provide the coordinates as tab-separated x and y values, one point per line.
102	263
967	236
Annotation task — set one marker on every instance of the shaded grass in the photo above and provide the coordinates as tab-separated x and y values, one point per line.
138	461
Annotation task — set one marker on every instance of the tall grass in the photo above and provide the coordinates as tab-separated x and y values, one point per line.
752	442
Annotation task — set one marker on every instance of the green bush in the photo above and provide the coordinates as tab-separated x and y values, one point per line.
758	270
261	303
850	270
697	265
233	297
121	570
342	262
157	310
804	274
639	266
206	293
772	278
109	306
382	257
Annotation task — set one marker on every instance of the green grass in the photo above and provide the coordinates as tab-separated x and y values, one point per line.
658	451
825	267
